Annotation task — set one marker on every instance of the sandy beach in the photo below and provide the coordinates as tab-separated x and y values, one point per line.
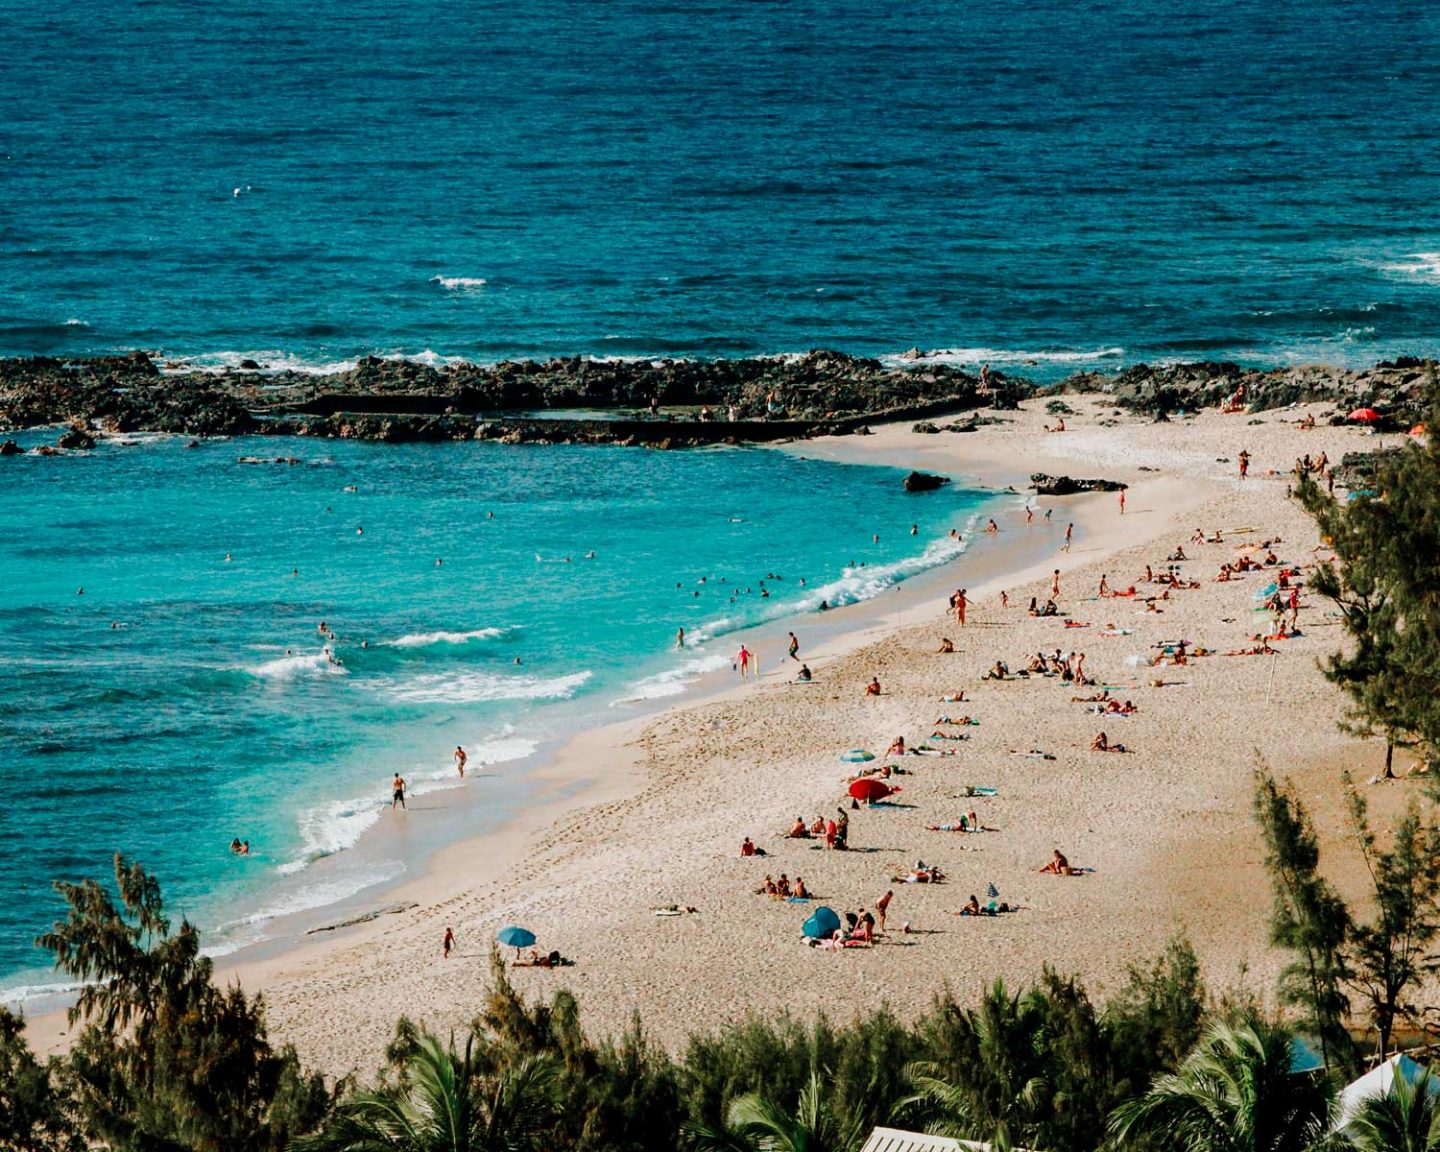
651	812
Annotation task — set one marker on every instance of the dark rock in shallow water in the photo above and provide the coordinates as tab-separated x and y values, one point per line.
249	366
924	482
1067	485
76	438
10	448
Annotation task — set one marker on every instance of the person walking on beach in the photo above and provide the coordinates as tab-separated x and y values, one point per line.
1029	514
1244	463
1069	535
397	792
794	648
449	943
961	603
1055	585
460	759
742	662
1122	501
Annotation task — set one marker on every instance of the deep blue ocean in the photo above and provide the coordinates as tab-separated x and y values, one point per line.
1059	183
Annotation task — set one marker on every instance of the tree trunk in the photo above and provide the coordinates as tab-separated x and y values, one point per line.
1389	759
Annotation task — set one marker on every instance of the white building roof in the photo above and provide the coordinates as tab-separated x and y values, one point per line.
896	1140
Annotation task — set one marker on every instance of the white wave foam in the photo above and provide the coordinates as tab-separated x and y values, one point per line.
966	356
475	687
458	283
1416	266
425	639
75	322
17	996
332	827
318	895
289	667
274	361
673	681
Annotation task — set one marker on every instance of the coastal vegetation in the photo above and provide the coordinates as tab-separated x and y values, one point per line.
165	1059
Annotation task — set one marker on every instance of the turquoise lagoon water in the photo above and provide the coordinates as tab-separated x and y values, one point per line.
184	698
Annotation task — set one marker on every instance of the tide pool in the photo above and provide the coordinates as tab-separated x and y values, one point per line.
167	687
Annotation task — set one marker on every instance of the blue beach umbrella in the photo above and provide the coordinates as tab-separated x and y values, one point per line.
857	756
517	938
822	923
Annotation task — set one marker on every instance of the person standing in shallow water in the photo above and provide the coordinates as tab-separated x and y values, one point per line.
397	792
460	759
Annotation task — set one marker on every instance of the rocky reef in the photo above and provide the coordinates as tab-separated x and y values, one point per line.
661	403
1393	388
403	400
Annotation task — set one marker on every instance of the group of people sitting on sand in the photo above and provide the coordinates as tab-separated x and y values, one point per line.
783	889
973	907
858	931
1050	609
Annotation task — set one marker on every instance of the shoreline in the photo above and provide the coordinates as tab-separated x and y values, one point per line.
603	773
562	788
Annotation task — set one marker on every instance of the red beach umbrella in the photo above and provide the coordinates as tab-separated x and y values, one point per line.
871	789
1364	414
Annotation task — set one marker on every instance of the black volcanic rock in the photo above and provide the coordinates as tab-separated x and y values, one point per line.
924	482
1068	486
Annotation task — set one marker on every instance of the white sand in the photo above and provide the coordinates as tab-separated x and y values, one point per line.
652	813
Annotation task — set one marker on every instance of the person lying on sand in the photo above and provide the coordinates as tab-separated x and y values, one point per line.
1032	754
553	960
947	646
1102	744
920	874
963	722
1059	866
969	822
954	698
1099	698
1261	649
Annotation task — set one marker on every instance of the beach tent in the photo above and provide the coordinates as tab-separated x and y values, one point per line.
821	924
1377	1082
897	1140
